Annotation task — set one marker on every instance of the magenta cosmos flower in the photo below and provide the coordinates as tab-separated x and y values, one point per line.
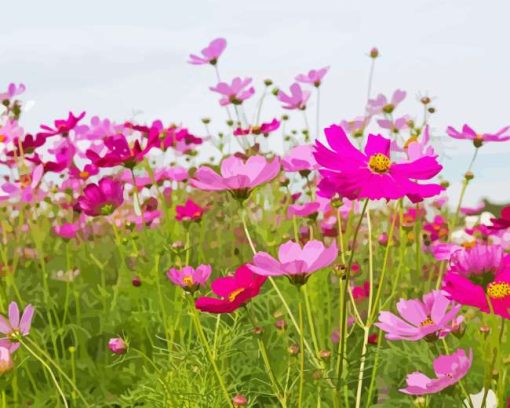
188	278
233	291
210	54
449	370
502	222
425	318
263	129
478	276
101	198
62	126
15	327
299	158
479	138
234	93
372	174
304	210
120	153
294	262
237	176
296	99
382	105
313	76
190	211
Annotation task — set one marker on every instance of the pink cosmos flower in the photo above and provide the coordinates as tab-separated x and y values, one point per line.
437	229
303	210
12	91
361	292
62	126
234	93
102	198
449	370
418	148
210	54
188	278
299	158
262	129
479	138
120	153
67	230
423	318
190	211
313	76
15	327
477	209
237	176
117	345
64	153
372	174
10	130
479	275
27	188
296	99
294	262
356	127
233	291
396	125
502	222
381	104
6	362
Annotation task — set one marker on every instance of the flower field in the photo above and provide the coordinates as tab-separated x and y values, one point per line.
148	264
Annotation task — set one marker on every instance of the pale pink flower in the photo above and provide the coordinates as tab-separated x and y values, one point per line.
15	327
295	262
449	370
296	99
313	76
300	158
234	93
210	54
382	105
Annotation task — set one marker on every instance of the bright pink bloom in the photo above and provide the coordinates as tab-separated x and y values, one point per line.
381	104
423	318
68	230
210	54
262	129
296	99
15	327
502	222
62	126
102	198
313	76
6	362
294	262
233	291
234	93
117	345
120	153
437	229
480	274
299	158
449	370
303	210
361	292
371	174
27	188
479	138
237	176
190	211
188	278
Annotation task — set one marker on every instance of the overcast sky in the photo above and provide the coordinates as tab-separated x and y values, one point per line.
114	58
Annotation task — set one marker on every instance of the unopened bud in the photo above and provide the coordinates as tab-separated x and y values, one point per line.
469	176
293	349
268	82
374	53
239	401
206	121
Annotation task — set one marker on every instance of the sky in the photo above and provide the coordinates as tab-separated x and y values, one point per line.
125	59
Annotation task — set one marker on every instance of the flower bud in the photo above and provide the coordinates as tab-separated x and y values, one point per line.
268	82
6	363
293	349
206	121
374	53
281	324
469	176
136	281
325	355
117	345
239	401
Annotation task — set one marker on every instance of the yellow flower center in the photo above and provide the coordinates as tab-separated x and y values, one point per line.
379	163
498	290
427	322
84	174
234	294
2	138
188	280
